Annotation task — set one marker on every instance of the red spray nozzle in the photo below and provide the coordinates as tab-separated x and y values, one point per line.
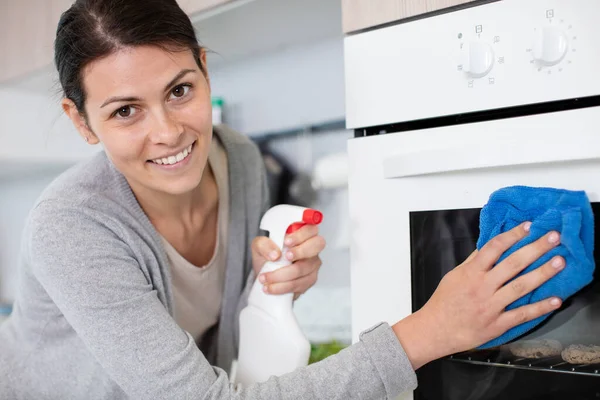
312	217
309	217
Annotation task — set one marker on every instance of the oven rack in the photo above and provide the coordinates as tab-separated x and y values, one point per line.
500	358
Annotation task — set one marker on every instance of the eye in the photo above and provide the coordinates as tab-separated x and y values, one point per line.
180	90
125	112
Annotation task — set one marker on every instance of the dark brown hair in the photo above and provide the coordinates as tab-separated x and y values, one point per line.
92	29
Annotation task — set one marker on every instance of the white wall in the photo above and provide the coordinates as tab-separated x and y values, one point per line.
297	86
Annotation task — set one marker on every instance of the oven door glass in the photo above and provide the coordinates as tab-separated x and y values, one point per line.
441	240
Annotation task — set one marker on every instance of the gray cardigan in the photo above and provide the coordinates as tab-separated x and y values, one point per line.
93	317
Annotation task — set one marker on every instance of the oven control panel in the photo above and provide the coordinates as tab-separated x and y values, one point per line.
489	56
551	43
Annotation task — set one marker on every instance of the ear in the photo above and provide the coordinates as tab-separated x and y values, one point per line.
204	65
79	121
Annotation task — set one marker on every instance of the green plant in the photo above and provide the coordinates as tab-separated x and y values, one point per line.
320	351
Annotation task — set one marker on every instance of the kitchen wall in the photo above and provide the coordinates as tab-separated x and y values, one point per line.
287	89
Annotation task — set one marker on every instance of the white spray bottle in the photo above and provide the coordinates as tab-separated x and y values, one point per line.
271	341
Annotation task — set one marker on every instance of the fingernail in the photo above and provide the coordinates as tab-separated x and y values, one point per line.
555	302
527	226
288	241
262	278
553	238
266	289
289	255
558	263
273	255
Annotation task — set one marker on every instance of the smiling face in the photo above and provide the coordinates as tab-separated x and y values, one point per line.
151	110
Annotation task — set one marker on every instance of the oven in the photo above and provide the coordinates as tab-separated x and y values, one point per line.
447	109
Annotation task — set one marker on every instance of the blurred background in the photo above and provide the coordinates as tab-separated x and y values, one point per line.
277	76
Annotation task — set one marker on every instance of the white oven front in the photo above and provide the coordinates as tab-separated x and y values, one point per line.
447	168
453	168
437	129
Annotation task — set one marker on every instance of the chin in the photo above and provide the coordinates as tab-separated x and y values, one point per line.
182	185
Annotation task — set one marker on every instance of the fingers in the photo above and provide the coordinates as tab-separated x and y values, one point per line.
297	286
308	249
471	256
304	247
492	251
528	282
266	248
522	258
518	316
301	235
291	272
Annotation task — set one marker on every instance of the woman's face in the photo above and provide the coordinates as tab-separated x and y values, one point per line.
151	110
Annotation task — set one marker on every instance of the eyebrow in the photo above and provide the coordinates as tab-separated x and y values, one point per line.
134	99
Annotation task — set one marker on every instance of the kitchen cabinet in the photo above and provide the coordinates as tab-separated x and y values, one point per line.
27	29
362	14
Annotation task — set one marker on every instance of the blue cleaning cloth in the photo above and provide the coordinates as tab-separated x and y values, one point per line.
564	211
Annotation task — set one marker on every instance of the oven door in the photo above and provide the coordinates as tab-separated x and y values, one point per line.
414	205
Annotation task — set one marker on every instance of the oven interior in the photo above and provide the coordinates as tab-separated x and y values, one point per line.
441	240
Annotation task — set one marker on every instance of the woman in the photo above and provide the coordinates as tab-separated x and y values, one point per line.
135	264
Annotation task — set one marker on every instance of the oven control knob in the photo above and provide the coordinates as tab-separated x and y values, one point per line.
477	59
550	46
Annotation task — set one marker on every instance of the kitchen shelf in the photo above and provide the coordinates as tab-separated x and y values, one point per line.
324	127
252	28
503	359
202	10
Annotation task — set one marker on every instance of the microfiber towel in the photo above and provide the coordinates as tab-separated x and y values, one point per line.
564	211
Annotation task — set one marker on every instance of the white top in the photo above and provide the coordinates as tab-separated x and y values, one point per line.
198	290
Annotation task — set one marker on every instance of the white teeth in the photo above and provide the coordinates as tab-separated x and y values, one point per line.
174	159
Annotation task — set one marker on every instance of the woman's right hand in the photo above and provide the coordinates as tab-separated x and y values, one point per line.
468	307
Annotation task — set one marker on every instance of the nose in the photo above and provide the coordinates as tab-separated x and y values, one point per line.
166	129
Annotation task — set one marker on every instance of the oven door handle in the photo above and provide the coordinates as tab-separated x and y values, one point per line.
496	155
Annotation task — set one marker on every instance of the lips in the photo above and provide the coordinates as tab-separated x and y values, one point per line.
174	158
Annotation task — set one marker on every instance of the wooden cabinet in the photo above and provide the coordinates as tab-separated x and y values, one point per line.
362	14
24	44
28	29
27	32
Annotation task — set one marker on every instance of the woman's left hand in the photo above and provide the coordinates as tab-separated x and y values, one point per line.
304	247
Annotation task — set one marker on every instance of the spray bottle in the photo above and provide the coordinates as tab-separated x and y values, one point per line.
271	341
